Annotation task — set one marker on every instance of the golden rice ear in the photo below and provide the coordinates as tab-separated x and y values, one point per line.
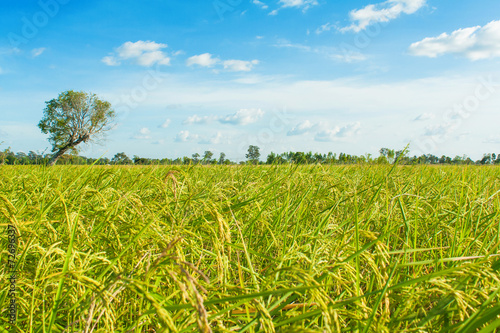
170	175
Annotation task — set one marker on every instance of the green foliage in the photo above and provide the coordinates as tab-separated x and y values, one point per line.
74	118
121	159
253	154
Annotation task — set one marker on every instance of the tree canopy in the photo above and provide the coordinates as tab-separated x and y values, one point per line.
253	154
75	117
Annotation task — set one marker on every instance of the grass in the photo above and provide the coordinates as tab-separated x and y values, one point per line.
253	248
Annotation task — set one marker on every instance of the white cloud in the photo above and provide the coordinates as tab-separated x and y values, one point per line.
492	139
243	117
185	136
325	51
195	119
424	116
338	133
37	52
325	27
301	128
260	4
166	123
474	43
144	53
148	59
215	140
273	12
304	4
347	57
144	134
381	12
441	130
203	60
9	50
239	65
110	61
207	60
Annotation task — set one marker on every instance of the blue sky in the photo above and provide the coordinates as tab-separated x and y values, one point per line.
300	75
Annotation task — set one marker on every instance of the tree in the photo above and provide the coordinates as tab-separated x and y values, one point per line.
222	158
196	158
5	154
72	118
253	154
207	157
121	158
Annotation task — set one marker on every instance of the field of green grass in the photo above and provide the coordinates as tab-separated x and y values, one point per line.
253	248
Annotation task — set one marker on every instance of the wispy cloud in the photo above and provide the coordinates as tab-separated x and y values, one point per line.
207	60
301	4
474	43
424	116
441	130
37	52
325	51
260	4
165	124
143	53
325	27
381	12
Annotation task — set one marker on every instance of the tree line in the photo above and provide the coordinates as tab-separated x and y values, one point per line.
387	156
76	117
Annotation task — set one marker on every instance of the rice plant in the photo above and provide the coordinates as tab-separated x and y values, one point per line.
252	248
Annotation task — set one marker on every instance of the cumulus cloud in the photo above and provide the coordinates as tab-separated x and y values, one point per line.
243	117
381	12
424	116
474	43
301	128
338	133
37	52
185	136
143	53
165	124
195	119
239	65
203	60
144	134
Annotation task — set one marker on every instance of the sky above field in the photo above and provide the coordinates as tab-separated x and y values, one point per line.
301	75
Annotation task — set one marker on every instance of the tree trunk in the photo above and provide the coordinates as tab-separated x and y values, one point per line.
56	156
64	149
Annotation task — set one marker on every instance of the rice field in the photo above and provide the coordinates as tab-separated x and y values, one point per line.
252	248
